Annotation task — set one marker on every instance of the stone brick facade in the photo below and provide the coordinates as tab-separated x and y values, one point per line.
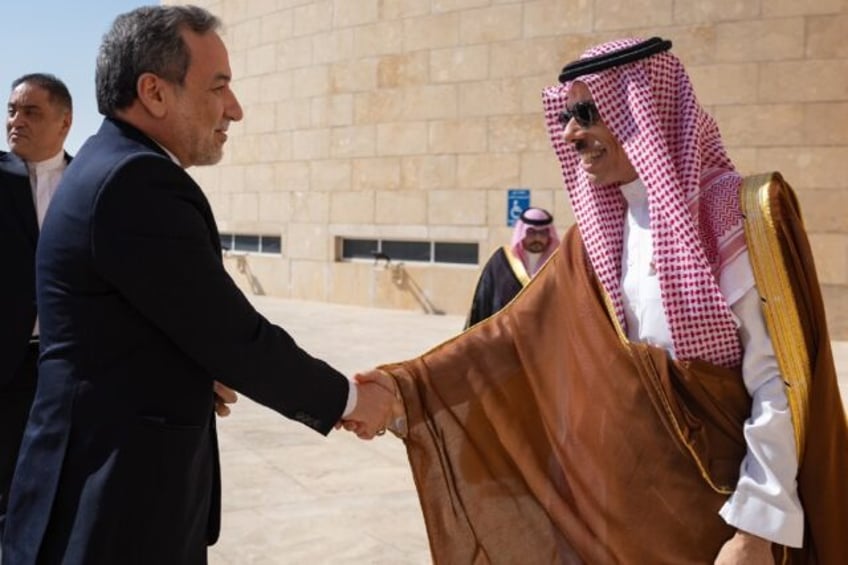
409	119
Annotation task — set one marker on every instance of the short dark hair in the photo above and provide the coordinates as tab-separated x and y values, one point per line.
57	92
145	40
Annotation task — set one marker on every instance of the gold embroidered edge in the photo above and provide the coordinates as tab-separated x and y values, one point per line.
780	308
517	266
639	353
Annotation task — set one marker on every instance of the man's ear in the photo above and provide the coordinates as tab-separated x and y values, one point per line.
153	94
67	120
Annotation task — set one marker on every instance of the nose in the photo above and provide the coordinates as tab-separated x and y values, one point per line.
14	118
572	131
232	108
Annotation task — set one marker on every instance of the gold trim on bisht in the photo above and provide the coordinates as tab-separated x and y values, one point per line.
517	266
619	330
780	308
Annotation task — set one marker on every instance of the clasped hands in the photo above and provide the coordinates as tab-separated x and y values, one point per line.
378	406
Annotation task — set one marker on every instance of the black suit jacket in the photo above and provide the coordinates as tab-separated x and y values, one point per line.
119	463
19	234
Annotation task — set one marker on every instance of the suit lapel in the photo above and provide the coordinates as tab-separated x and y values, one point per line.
23	197
20	194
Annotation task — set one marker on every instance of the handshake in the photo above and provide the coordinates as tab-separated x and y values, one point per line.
378	406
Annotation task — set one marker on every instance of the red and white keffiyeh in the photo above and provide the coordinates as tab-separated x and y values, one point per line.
693	196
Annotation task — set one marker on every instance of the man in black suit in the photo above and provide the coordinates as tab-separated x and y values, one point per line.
38	118
119	463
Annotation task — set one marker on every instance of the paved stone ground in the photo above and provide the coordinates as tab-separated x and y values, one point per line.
292	496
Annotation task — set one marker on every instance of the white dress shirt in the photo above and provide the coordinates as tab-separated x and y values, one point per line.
44	177
532	262
765	502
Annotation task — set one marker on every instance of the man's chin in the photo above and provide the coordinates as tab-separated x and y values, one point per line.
20	149
210	158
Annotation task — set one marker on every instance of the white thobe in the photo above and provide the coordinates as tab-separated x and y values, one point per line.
765	502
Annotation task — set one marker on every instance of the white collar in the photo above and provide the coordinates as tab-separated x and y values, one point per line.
55	162
634	192
171	155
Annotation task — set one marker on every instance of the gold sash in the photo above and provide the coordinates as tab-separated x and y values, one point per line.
780	309
516	265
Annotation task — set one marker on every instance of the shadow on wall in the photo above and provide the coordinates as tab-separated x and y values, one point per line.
243	267
405	282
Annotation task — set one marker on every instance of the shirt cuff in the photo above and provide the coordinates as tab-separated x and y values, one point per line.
760	518
351	399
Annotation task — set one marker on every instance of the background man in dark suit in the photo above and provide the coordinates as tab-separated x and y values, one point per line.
119	463
38	119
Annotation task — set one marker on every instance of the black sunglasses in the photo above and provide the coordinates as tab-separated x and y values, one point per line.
584	113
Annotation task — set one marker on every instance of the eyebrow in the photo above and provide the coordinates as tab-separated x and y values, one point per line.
22	106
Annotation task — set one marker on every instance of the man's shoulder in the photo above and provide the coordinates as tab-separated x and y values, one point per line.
117	140
110	151
497	258
12	164
496	253
6	158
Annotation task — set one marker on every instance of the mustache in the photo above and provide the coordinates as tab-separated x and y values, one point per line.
580	144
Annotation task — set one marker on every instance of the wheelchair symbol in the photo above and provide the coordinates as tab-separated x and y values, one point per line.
515	211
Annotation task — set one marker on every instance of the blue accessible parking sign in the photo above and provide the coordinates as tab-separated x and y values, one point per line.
517	200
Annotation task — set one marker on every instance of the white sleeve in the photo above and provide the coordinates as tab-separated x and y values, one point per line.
352	398
765	502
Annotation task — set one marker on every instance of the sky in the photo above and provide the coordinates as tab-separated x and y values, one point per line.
61	38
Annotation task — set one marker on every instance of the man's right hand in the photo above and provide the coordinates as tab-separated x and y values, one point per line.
745	549
397	425
372	412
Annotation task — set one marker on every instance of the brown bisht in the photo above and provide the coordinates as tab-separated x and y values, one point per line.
542	435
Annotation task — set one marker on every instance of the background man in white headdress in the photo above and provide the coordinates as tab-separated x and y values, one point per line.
510	267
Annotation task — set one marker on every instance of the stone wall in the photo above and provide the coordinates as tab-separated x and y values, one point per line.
409	119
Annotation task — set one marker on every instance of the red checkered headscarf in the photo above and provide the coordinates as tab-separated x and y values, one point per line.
693	196
538	219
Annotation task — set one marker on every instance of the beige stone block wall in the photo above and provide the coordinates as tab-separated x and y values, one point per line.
487	170
409	119
352	207
454	289
329	175
834	271
490	24
837	310
717	10
401	207
308	280
402	138
455	208
458	136
725	83
352	283
428	172
259	274
308	242
376	173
